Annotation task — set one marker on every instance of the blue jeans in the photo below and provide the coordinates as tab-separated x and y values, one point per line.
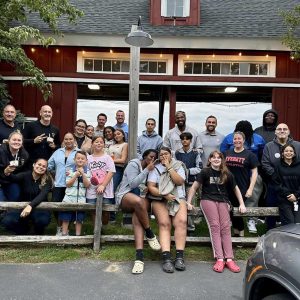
117	178
13	222
10	192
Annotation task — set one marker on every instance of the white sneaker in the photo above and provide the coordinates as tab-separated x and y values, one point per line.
58	231
251	226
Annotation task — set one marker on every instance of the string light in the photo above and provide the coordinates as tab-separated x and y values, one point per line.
111	51
57	50
240	54
32	50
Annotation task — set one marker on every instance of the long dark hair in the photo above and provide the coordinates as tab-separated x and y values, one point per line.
284	147
223	168
245	127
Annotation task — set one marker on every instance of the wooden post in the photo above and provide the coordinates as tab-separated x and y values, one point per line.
133	99
98	223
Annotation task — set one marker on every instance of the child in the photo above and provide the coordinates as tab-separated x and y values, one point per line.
102	168
192	160
77	181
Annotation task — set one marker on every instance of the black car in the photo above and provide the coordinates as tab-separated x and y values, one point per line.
273	271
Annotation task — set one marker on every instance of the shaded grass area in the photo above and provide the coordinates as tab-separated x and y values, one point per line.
109	251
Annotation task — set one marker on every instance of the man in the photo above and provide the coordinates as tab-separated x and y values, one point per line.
101	119
267	131
172	138
7	124
149	138
271	159
41	138
120	117
210	138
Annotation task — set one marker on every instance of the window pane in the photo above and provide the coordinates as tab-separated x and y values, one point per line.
162	67
97	65
235	69
225	69
116	66
216	68
253	69
263	69
88	65
244	68
170	8
107	65
206	68
188	68
125	66
152	67
197	68
179	8
144	67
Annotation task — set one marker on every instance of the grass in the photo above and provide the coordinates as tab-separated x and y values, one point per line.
109	251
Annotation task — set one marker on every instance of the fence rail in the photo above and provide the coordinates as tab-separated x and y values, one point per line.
97	239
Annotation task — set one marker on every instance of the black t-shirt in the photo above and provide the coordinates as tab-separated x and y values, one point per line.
210	181
240	165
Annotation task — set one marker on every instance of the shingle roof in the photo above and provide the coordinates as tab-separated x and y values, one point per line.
218	18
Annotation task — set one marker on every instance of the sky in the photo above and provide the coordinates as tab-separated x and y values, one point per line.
228	114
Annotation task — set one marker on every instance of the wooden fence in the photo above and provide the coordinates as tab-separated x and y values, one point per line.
97	238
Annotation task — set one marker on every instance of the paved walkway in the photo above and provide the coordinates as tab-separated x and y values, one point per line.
88	279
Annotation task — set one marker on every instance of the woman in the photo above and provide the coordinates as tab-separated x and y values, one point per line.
128	197
89	131
102	170
13	159
35	186
83	142
60	161
215	181
119	154
287	185
242	163
108	134
169	207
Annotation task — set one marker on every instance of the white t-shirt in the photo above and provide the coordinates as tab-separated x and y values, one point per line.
154	177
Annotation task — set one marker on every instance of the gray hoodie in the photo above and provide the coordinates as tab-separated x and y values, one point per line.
145	142
133	176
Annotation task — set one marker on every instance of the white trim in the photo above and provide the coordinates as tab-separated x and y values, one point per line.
168	58
169	42
270	60
153	82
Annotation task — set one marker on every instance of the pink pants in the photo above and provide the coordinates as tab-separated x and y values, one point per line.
218	221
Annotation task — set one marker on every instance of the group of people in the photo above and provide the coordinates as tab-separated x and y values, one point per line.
168	175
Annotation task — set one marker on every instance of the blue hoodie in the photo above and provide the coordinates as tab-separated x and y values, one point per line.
145	142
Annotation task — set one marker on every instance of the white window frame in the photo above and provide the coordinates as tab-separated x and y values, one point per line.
186	8
81	55
270	60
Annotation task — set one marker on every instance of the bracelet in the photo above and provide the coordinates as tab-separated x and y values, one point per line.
170	169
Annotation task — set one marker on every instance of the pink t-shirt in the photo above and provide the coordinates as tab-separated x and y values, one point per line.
99	165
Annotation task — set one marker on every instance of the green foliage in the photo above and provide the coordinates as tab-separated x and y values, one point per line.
13	36
292	37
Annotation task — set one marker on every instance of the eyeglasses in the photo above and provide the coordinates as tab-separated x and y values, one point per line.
80	126
282	129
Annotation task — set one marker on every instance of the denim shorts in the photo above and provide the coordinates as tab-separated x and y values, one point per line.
71	216
105	201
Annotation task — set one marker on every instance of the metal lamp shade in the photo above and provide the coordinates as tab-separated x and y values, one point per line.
139	38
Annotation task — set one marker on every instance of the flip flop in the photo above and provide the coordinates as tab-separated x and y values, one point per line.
138	267
154	243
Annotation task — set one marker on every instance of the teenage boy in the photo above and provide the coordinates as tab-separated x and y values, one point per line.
192	160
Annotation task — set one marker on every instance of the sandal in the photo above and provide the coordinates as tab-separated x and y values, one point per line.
179	264
219	266
168	266
138	267
233	267
154	243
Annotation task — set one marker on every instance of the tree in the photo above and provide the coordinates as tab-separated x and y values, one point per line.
15	31
292	37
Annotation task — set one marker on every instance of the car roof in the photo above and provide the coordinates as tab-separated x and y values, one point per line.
291	228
